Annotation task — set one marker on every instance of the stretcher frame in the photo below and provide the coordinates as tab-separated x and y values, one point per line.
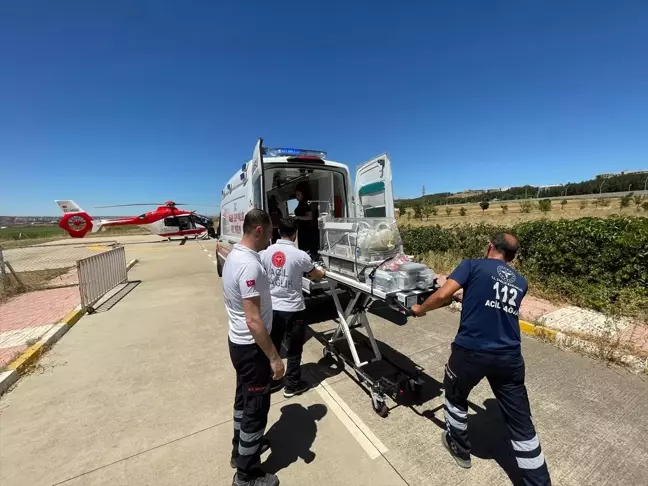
354	316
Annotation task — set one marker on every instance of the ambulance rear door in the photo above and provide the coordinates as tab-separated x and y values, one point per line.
374	196
258	200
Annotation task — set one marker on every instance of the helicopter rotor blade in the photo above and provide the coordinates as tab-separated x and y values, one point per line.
126	205
158	204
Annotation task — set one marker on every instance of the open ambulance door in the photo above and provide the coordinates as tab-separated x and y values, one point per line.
256	176
374	196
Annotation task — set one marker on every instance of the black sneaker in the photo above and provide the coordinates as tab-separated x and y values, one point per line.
291	391
265	446
265	480
276	385
451	447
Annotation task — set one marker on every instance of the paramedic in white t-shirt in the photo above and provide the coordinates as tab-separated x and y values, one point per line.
285	265
246	291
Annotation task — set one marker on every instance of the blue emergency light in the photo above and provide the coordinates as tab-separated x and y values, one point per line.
294	152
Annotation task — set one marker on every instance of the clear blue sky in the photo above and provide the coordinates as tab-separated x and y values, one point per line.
126	101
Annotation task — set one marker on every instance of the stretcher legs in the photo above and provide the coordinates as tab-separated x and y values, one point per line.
352	317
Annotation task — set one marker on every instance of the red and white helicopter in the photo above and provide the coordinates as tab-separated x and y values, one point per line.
167	220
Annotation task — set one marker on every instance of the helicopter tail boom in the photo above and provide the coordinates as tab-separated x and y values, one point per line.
75	220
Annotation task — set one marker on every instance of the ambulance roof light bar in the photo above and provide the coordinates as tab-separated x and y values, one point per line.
294	152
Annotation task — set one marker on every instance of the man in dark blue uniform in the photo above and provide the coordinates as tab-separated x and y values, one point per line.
488	345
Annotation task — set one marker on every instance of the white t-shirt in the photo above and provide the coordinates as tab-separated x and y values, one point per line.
285	266
244	277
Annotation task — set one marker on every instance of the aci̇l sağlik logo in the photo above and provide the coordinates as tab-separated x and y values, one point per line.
278	259
506	274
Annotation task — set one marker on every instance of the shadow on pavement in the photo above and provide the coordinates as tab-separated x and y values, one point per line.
489	437
116	298
293	435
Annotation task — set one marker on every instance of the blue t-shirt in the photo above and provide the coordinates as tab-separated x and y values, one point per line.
493	292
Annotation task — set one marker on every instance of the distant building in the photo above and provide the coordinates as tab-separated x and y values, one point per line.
623	172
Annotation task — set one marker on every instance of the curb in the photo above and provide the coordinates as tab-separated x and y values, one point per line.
18	366
637	363
532	330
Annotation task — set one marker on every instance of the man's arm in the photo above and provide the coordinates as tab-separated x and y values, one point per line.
310	269
316	273
441	297
252	309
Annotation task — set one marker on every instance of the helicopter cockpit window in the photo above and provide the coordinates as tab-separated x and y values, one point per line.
171	221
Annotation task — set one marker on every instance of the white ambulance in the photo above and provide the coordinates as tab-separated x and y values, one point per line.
273	174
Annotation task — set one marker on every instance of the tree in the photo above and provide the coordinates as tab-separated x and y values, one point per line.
637	200
418	212
525	206
448	210
624	202
563	203
504	208
462	211
644	205
604	202
544	205
484	206
434	210
427	210
583	204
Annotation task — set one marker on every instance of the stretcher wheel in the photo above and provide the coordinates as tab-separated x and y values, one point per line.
326	353
381	409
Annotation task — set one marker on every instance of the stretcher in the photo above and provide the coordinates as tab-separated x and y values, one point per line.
342	343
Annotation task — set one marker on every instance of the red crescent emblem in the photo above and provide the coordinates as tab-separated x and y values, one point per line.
278	259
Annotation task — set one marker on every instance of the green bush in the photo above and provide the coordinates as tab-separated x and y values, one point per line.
448	210
504	208
525	206
563	203
583	204
462	211
594	262
484	205
544	205
624	202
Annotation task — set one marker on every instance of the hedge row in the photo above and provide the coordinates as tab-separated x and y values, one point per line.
608	255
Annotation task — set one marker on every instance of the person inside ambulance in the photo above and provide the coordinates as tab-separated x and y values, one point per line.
306	215
275	216
285	266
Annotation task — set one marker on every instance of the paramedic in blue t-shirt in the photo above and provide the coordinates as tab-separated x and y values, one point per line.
488	345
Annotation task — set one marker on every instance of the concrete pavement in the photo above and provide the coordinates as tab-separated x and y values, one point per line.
141	394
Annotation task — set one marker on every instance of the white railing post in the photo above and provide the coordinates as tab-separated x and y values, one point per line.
100	274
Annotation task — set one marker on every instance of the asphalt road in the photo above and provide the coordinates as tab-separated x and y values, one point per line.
141	394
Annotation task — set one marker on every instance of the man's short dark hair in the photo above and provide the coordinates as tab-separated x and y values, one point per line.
506	244
287	226
254	218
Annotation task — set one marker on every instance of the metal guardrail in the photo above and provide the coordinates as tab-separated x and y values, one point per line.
100	274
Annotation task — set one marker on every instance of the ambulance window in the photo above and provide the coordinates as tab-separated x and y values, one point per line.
257	193
292	204
372	199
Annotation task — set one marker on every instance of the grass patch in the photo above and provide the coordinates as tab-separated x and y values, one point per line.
33	280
